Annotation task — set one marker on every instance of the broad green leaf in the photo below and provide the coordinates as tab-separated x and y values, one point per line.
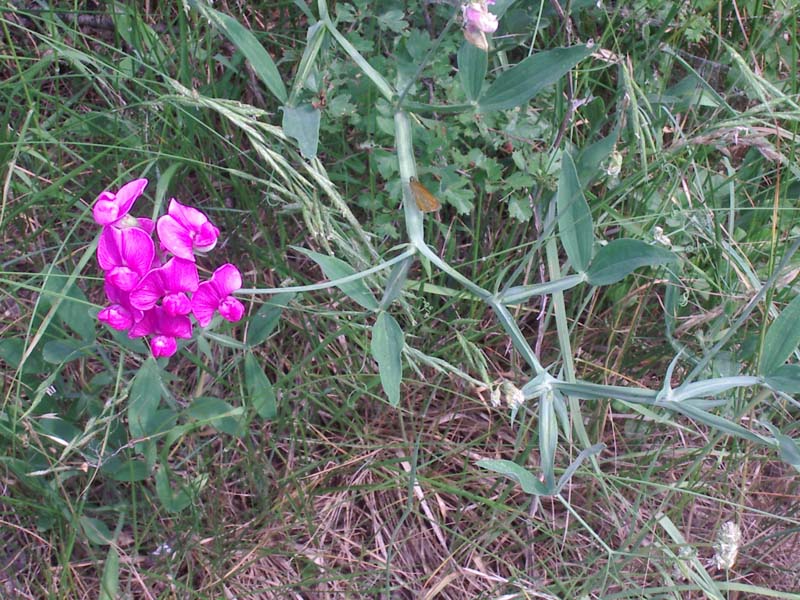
62	351
590	158
387	347
472	65
11	351
527	480
249	46
302	124
785	378
109	584
57	429
129	471
219	414
548	439
621	257
259	388
315	36
395	282
782	338
789	451
96	531
264	322
526	79
173	501
334	268
144	399
574	217
73	307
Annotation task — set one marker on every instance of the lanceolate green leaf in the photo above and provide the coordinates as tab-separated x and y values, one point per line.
248	45
73	307
387	347
144	399
782	338
527	480
574	217
526	79
259	388
548	440
785	378
472	64
335	268
592	156
219	414
264	322
109	583
621	257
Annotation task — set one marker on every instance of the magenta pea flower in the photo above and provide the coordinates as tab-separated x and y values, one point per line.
126	255
185	230
120	315
168	284
164	329
215	295
110	208
117	317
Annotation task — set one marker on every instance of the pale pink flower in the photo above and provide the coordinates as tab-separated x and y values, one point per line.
478	18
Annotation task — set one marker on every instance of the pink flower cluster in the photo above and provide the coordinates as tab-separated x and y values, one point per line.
154	290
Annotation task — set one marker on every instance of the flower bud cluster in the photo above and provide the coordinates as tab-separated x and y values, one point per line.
155	289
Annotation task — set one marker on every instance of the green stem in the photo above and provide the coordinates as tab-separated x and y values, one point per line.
333	283
382	85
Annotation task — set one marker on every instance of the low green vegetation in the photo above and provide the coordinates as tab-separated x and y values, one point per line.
519	288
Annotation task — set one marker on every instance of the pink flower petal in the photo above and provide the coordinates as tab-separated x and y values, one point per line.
202	233
163	345
110	208
123	278
116	316
148	291
206	238
180	275
147	224
147	325
108	255
128	194
231	309
205	302
227	279
137	249
177	304
189	217
114	294
105	210
175	237
174	326
478	18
